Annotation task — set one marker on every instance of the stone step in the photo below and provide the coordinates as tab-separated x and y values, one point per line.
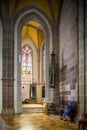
33	110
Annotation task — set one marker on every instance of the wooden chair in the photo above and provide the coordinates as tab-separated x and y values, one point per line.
83	122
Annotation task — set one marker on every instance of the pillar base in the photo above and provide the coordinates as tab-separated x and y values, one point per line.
7	111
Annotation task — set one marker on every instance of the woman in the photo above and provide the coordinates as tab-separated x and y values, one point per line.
66	113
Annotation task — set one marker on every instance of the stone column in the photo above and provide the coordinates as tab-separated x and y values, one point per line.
8	68
47	59
38	60
85	55
82	67
56	91
41	66
56	50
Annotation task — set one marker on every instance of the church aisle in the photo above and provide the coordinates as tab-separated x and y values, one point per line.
34	121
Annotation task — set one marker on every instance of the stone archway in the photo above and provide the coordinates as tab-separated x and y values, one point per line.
0	66
31	14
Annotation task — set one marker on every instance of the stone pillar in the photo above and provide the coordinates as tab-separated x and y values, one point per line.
38	60
85	55
82	60
47	59
56	51
0	66
8	69
41	66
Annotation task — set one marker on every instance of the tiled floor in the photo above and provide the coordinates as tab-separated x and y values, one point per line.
35	121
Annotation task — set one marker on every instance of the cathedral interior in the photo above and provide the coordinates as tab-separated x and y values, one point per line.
43	60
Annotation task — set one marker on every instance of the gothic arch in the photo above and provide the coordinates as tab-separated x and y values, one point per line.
31	13
0	66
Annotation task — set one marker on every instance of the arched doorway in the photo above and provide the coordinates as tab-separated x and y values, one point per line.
36	15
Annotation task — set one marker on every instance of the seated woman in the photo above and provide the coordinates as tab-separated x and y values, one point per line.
66	113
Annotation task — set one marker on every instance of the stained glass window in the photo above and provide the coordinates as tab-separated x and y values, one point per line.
26	68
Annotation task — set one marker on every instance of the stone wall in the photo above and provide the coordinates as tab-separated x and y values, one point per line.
68	51
25	93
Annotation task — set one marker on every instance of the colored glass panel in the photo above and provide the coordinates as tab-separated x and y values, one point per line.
26	68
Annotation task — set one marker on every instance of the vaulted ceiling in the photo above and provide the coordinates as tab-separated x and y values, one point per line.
32	28
32	31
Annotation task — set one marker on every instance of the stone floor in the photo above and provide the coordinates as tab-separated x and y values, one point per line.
35	121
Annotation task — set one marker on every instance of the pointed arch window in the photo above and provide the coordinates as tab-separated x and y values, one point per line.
26	67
